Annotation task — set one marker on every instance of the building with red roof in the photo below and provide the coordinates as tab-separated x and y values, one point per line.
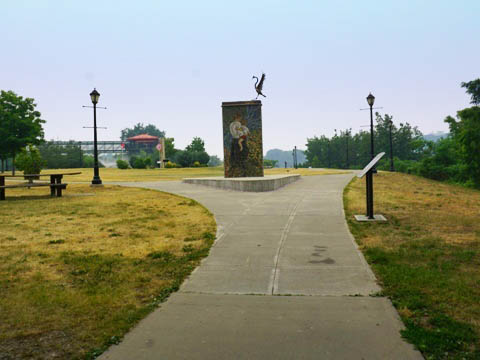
144	138
140	142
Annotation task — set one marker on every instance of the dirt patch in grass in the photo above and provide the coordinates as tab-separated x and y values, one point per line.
77	272
427	258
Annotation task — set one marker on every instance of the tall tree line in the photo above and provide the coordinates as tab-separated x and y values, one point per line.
347	150
455	158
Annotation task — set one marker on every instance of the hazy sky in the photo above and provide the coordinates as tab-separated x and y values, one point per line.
172	63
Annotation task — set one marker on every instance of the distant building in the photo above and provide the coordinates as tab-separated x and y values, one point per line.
144	142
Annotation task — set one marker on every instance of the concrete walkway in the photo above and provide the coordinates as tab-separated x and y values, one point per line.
284	280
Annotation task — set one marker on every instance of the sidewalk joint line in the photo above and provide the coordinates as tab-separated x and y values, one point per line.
285	231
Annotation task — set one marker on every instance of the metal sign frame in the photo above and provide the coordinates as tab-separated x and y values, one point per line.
370	165
368	170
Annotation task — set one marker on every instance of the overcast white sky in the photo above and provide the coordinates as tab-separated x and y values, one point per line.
172	63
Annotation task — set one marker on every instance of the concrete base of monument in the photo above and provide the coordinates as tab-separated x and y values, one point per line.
251	184
376	217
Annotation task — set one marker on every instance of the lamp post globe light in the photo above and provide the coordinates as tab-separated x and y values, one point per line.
95	95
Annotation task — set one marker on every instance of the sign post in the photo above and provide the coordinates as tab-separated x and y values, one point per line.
161	149
368	170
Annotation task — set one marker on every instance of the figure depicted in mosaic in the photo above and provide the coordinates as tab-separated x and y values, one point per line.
242	139
239	146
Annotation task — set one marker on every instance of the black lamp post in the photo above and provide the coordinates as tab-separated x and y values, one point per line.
347	135
95	95
370	101
295	165
392	168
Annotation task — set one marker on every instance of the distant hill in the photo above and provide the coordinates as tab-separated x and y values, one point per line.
435	136
285	155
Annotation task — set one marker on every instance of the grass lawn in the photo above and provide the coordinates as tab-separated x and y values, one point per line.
77	272
427	258
111	174
305	172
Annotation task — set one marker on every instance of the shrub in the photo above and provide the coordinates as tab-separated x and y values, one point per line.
29	160
88	162
122	164
131	160
200	156
139	163
196	164
171	165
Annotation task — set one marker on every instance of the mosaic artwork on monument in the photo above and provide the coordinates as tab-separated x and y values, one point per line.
242	139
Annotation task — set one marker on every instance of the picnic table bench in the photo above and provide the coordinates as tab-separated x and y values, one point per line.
55	184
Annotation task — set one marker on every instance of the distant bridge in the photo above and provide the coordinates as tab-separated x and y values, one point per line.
113	147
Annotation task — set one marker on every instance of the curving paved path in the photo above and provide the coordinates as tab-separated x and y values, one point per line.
284	280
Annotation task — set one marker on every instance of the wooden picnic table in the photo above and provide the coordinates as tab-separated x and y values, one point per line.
55	184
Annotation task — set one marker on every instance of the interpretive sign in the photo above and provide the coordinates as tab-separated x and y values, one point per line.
368	170
370	165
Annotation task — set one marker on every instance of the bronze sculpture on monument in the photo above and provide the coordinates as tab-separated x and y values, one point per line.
243	149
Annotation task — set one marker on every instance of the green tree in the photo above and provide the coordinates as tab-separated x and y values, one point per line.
140	128
29	160
201	156
442	163
197	144
184	158
20	124
408	141
466	132
214	161
89	162
270	163
408	144
62	156
317	151
316	162
473	89
170	148
192	153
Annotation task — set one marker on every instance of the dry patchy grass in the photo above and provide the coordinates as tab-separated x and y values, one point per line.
304	171
427	257
144	175
77	272
439	210
113	174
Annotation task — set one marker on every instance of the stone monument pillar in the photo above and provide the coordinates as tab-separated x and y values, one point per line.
242	138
